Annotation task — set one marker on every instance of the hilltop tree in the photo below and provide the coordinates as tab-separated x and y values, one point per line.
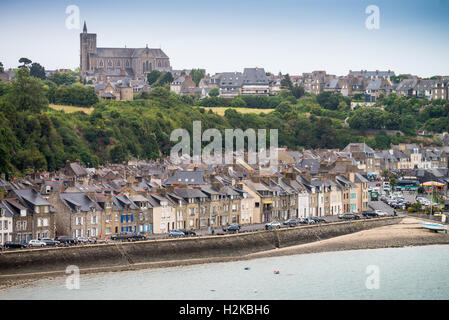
27	93
286	83
25	62
61	78
167	78
37	71
197	75
1	67
153	76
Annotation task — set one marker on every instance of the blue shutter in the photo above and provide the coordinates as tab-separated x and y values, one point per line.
132	217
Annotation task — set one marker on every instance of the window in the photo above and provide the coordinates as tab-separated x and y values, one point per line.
45	222
94	220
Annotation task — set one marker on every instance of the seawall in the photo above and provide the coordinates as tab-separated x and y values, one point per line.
38	263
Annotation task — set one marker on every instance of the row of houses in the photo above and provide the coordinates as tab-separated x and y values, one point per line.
83	206
369	84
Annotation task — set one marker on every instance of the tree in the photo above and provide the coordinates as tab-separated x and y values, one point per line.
328	100
197	75
1	68
167	78
214	92
118	153
25	62
286	83
284	107
382	141
61	78
27	93
37	71
153	76
298	91
238	102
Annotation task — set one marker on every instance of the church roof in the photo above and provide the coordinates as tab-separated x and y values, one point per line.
129	52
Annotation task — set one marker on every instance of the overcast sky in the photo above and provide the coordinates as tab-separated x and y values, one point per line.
291	36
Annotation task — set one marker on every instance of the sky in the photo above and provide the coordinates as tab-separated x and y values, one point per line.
288	36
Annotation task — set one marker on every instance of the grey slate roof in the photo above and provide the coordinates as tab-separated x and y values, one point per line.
31	197
186	178
80	200
129	52
254	76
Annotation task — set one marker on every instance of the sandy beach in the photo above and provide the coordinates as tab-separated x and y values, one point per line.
407	232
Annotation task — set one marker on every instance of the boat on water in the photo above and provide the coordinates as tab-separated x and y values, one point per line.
433	226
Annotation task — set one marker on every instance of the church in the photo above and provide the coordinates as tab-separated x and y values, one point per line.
102	64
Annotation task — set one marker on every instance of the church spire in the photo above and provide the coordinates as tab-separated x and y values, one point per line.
85	28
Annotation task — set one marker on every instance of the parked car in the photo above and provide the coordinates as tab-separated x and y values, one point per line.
50	242
138	236
82	240
36	243
272	225
349	216
370	214
306	221
188	232
317	219
380	213
14	245
232	228
290	222
176	233
122	236
65	240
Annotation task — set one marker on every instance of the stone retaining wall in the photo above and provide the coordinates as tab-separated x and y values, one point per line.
126	254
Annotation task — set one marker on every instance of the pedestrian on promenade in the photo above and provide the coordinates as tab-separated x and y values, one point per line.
213	231
394	212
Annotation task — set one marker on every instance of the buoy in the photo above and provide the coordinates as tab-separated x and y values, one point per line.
247	268
276	272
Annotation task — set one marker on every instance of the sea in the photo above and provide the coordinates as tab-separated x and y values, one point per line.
391	273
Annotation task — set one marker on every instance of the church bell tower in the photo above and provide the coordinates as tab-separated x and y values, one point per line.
88	45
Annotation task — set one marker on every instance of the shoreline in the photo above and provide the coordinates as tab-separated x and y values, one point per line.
403	234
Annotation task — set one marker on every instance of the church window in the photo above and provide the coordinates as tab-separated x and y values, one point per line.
109	63
118	63
159	64
127	63
101	63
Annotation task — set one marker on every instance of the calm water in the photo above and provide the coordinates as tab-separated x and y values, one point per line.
404	273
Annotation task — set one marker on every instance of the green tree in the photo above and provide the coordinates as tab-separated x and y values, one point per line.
153	76
61	78
197	75
238	102
37	71
167	78
27	93
286	83
1	68
25	62
382	141
214	92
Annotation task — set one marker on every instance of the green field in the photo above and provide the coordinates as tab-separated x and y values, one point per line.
71	109
221	110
